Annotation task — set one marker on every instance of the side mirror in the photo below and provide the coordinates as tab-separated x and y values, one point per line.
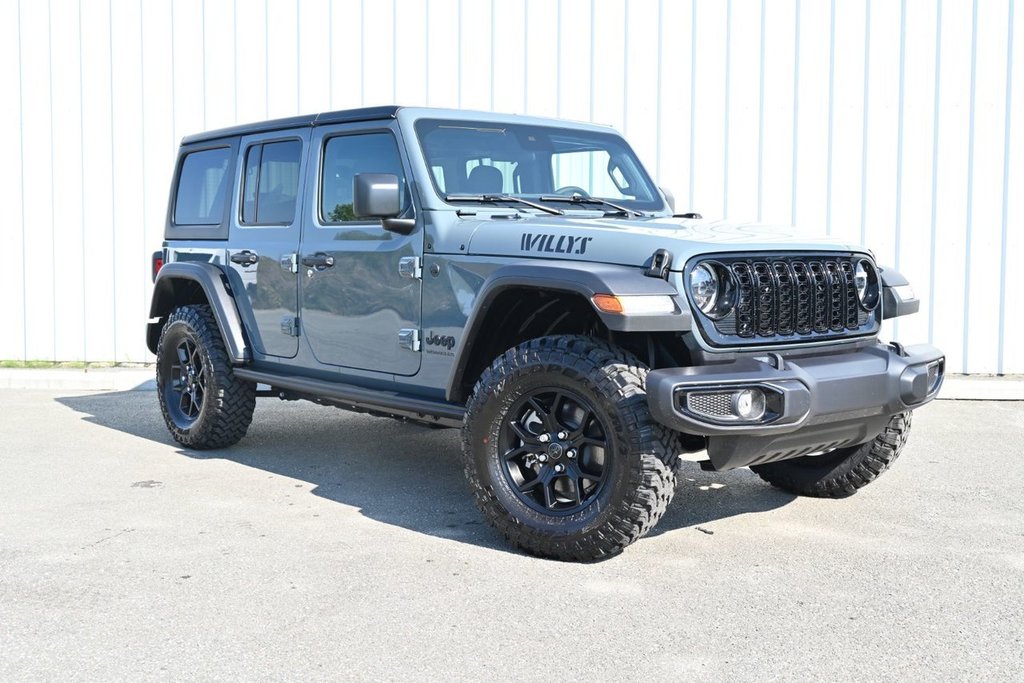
376	195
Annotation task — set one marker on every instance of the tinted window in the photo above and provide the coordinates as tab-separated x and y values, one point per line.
347	155
271	182
202	188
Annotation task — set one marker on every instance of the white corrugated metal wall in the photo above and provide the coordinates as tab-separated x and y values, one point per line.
896	123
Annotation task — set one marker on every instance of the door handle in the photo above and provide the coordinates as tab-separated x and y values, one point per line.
318	260
245	258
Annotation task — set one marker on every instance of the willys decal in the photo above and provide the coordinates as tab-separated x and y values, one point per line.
555	244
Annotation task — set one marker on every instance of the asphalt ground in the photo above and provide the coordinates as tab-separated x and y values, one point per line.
328	545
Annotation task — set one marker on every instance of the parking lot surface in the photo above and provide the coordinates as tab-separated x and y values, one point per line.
332	545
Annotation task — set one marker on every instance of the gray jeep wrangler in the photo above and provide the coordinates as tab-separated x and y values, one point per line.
524	280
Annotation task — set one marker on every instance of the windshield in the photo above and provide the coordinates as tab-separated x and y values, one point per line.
487	158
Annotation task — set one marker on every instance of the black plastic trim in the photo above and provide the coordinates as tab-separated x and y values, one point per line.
360	398
322	119
847	389
214	285
585	279
893	305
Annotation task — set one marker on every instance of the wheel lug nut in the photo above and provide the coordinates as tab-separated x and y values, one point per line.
562	435
543	457
571	453
543	438
559	468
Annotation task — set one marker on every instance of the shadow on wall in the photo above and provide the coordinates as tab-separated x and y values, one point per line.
399	473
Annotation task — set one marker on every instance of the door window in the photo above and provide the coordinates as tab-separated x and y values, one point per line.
344	157
271	183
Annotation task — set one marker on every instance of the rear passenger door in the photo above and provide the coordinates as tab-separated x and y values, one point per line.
360	311
265	238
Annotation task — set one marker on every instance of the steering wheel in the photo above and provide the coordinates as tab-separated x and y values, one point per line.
570	190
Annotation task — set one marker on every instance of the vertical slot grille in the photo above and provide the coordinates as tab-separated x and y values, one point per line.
793	298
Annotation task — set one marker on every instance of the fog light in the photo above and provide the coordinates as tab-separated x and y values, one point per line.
748	404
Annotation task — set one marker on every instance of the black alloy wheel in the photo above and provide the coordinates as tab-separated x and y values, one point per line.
555	450
187	388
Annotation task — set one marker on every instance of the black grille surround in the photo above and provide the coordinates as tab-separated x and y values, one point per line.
785	299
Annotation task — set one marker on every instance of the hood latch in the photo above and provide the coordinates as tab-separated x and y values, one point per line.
661	261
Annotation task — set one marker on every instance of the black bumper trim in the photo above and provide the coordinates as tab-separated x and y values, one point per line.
825	399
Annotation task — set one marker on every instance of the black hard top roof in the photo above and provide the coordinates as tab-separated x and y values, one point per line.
344	116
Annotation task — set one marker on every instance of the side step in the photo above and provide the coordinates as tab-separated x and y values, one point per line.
360	399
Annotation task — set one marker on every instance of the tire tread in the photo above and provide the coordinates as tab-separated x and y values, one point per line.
862	465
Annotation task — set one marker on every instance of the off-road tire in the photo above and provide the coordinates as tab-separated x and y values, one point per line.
227	403
842	472
641	454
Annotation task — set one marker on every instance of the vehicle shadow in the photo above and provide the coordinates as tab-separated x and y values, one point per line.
398	473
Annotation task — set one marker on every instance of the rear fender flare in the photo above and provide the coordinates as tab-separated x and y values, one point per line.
214	284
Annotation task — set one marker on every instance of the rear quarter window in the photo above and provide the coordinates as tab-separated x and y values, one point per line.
203	187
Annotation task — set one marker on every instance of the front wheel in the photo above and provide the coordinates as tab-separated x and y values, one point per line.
843	471
561	452
203	403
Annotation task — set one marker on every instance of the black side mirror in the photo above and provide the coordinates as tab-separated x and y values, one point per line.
379	195
376	195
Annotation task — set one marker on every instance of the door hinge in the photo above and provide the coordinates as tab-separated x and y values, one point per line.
410	267
290	325
290	262
409	339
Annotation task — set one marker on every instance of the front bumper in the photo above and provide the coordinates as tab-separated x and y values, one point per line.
814	403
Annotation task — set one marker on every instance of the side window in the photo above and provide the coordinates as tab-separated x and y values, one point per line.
271	183
202	187
344	157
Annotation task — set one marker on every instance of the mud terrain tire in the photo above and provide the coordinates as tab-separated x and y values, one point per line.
608	470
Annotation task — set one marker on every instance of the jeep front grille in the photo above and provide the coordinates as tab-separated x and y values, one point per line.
787	299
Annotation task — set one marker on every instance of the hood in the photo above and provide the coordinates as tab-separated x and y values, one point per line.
631	242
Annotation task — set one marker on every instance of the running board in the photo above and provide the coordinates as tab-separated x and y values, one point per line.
360	399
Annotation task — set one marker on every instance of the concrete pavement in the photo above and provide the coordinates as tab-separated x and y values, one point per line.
331	545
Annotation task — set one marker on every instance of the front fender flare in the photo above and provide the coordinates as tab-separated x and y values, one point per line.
213	282
898	298
585	279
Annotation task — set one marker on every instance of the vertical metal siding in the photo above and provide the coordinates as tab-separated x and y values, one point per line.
895	124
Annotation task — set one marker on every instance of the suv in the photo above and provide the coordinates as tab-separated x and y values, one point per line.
523	279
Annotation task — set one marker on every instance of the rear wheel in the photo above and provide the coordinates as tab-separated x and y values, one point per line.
561	452
843	471
203	403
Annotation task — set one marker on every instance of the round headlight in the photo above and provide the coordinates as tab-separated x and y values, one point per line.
704	287
865	278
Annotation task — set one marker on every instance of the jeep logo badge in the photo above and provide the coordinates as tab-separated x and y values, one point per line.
445	342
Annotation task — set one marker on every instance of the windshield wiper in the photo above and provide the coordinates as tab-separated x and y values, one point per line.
495	198
577	198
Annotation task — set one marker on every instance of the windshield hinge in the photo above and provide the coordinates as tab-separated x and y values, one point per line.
411	267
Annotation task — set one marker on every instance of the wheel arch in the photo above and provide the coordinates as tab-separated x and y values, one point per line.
182	283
